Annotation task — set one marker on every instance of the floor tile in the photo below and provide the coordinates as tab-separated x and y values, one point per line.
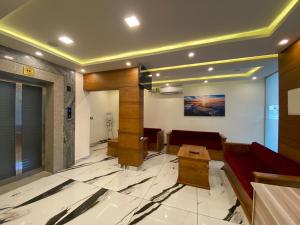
204	220
97	191
43	205
135	183
167	191
151	213
97	166
97	174
111	208
220	201
29	191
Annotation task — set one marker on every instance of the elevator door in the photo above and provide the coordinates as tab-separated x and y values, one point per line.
21	128
31	128
7	130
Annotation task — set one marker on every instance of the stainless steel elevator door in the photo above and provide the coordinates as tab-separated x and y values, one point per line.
32	127
7	130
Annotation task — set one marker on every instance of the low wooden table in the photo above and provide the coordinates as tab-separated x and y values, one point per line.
193	166
145	146
112	147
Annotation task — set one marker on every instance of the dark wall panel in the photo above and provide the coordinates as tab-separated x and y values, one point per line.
289	125
32	128
7	130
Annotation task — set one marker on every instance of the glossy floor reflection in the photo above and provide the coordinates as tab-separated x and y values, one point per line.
97	191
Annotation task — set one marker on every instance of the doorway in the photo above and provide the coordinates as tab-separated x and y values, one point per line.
104	111
21	129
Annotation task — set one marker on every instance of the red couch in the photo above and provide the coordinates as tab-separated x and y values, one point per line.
213	141
255	163
155	139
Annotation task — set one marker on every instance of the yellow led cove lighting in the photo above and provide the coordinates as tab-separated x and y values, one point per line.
34	43
225	61
213	77
257	33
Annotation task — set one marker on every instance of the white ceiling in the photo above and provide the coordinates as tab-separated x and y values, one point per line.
98	29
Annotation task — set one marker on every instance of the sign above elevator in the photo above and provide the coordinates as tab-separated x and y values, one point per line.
28	71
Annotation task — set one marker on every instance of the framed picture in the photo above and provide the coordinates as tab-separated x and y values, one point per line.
206	105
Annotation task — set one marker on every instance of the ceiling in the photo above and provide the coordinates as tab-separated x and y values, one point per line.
214	30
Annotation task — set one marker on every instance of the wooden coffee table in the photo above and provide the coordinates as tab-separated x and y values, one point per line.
193	166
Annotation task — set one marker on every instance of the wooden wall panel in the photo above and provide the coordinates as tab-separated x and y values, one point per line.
131	104
130	110
129	125
289	125
111	80
132	95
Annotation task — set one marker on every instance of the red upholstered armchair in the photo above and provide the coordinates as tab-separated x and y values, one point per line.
155	139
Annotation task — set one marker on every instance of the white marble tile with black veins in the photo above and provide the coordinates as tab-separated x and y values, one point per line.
25	193
41	204
97	191
205	220
97	173
167	191
219	202
103	207
150	213
154	162
134	183
97	165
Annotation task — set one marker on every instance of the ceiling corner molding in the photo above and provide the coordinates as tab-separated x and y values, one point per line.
217	62
247	74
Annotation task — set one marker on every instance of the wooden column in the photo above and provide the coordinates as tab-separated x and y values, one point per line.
289	125
131	106
131	126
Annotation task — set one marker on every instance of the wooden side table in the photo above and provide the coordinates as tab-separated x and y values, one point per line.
193	166
145	146
112	147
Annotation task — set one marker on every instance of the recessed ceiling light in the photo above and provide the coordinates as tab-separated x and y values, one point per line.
82	70
283	42
254	78
206	81
27	56
8	57
72	72
210	69
167	84
66	40
157	74
132	21
38	53
150	75
191	54
128	63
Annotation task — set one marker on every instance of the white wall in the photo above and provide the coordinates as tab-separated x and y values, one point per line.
102	102
82	120
113	107
244	105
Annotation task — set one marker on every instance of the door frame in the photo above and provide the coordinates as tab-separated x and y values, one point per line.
18	131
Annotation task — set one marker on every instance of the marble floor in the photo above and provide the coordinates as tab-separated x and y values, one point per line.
97	191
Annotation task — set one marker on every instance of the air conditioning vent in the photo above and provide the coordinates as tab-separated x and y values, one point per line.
170	90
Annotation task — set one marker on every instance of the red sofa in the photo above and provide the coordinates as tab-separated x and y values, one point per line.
155	139
255	163
213	141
